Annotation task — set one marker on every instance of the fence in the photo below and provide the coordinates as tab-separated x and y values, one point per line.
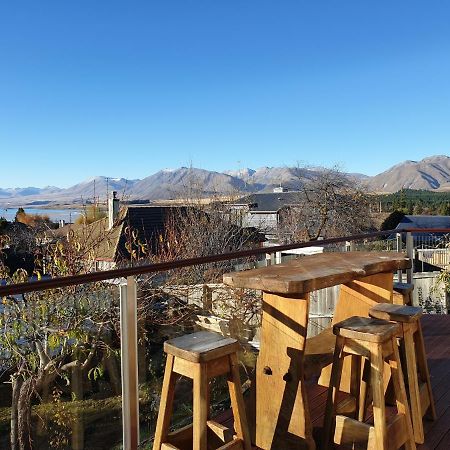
128	279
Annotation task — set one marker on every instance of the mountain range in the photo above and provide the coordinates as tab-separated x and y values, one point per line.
431	173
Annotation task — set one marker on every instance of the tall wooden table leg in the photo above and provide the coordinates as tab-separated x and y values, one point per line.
282	414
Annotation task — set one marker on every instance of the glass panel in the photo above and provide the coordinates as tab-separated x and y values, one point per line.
60	363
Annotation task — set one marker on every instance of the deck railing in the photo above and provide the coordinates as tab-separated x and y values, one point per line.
399	240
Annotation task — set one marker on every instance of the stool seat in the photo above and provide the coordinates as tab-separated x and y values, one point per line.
365	329
402	293
396	313
403	288
202	346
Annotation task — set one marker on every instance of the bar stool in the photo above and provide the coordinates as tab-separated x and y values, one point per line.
402	293
412	350
201	356
374	340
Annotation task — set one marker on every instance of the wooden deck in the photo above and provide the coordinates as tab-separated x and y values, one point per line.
436	330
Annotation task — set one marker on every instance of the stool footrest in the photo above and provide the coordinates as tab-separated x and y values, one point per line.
166	446
349	431
224	433
424	397
236	444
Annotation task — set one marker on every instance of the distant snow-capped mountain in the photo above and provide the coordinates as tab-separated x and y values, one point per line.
432	173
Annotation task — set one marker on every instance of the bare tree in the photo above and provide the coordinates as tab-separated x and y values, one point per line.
329	204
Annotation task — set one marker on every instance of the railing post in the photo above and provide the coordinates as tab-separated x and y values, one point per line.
270	259
129	364
410	253
278	258
399	249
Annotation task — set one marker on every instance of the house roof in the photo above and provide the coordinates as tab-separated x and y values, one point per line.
268	202
147	222
102	243
424	222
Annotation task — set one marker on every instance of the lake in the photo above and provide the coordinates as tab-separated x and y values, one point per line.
68	215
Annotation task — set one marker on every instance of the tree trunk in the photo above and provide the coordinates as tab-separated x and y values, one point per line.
110	362
77	382
24	414
142	362
16	385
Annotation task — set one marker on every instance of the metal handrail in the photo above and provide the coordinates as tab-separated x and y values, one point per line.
41	285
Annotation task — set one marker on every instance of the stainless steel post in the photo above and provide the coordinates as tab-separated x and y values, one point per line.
129	364
399	249
410	253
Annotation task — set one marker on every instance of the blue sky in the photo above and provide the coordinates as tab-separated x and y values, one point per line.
127	88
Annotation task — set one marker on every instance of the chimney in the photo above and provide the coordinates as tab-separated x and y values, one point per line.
113	209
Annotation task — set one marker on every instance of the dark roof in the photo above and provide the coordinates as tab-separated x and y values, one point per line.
269	202
425	222
147	221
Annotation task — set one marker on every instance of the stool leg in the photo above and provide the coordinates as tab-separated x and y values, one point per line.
379	409
423	369
166	404
364	395
413	383
400	393
237	403
201	407
335	381
355	383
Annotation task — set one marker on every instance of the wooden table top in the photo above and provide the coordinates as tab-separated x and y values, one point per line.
314	272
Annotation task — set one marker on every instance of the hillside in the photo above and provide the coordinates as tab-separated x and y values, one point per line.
432	173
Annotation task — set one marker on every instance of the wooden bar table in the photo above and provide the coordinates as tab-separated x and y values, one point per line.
282	418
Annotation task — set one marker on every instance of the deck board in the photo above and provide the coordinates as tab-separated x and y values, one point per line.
436	330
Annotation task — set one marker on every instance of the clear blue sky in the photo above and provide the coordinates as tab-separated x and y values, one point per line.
121	88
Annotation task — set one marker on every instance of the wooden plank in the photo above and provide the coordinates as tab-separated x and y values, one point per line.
224	433
201	346
413	382
403	409
167	446
396	430
282	413
317	271
237	444
335	381
365	329
423	368
166	404
201	407
218	366
379	408
352	432
237	403
319	352
396	313
181	438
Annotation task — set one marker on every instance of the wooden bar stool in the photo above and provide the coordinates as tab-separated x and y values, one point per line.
375	340
412	350
201	356
402	293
